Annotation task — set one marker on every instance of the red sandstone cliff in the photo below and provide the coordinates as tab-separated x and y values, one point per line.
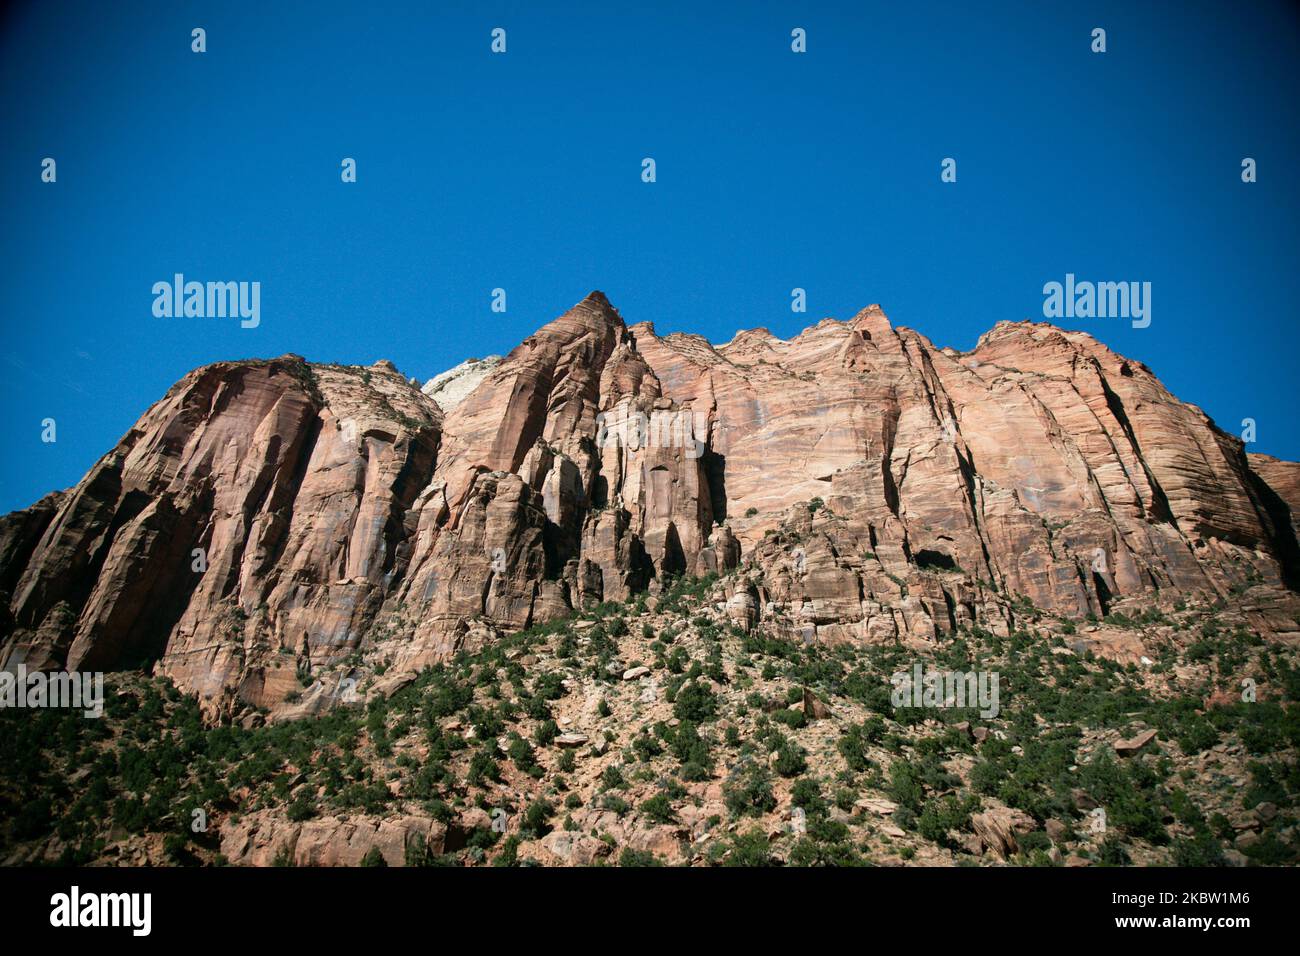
270	529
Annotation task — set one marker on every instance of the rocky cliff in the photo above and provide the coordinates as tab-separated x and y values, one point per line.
277	534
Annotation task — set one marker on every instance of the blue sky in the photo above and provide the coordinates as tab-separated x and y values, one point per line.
522	171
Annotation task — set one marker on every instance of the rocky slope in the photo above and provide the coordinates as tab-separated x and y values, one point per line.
272	535
659	731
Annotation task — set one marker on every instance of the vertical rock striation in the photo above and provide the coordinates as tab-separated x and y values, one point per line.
271	532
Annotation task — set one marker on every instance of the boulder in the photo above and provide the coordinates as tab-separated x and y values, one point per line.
1127	748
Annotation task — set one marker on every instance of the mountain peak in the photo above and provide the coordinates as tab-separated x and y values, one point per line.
597	302
407	534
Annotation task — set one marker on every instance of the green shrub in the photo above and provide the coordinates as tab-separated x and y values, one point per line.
695	702
630	857
747	849
659	809
749	791
535	817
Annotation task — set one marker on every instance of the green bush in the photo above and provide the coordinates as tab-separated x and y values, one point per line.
695	702
749	791
630	857
535	817
747	849
659	809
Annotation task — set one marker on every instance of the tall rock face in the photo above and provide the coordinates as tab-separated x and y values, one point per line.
274	533
248	525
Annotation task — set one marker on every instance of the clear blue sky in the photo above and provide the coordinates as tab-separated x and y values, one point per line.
522	171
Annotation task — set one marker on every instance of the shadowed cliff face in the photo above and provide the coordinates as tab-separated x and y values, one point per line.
275	533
